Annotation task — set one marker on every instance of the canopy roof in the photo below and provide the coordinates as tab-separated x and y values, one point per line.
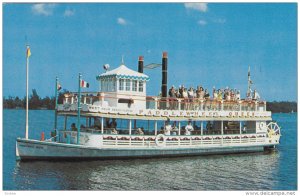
123	72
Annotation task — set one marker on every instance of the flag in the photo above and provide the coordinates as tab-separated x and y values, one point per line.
58	87
84	84
28	53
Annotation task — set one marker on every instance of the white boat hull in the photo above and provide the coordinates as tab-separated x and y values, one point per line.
27	149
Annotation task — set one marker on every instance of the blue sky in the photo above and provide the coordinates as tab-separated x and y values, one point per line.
208	44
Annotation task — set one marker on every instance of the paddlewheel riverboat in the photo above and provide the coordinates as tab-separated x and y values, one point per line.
121	121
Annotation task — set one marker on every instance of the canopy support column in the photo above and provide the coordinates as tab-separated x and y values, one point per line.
201	127
179	127
102	124
240	127
65	124
155	127
222	131
129	127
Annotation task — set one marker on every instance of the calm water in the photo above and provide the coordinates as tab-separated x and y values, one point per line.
260	171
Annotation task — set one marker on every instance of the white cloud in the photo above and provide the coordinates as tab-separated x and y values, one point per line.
202	22
122	21
69	12
202	7
43	9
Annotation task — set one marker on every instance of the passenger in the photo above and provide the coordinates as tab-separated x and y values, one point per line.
206	94
238	95
244	129
139	132
113	123
202	93
181	89
174	129
97	123
189	128
256	95
114	131
172	98
168	128
232	95
107	123
215	94
220	95
225	93
208	126
73	127
185	98
191	97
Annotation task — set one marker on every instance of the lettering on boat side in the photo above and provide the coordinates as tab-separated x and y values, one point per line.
178	113
152	112
31	146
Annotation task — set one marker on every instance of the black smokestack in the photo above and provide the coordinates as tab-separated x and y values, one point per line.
141	64
164	83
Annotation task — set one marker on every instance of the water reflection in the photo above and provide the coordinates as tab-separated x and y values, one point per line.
229	172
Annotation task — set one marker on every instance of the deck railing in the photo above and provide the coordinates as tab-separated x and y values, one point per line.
170	140
173	141
153	102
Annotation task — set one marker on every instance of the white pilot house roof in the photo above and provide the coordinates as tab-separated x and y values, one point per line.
123	72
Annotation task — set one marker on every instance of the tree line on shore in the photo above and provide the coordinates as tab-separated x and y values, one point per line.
36	102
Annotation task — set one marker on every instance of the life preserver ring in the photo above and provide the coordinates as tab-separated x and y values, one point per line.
158	142
261	125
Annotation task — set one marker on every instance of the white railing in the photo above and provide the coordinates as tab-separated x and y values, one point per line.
175	141
153	102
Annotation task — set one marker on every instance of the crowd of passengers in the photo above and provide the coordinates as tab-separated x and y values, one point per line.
190	98
167	129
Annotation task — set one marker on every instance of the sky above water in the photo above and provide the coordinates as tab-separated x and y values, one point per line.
208	44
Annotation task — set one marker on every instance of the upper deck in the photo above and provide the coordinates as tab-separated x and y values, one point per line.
96	104
123	94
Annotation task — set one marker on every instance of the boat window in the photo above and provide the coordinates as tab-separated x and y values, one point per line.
102	85
127	84
141	86
113	85
134	85
121	84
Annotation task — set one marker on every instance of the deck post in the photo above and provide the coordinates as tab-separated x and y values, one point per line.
179	104
222	105
65	124
240	127
179	127
78	108
155	127
129	126
84	99
102	122
55	112
222	131
201	127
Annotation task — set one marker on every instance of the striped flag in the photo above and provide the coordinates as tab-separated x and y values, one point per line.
28	53
84	84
